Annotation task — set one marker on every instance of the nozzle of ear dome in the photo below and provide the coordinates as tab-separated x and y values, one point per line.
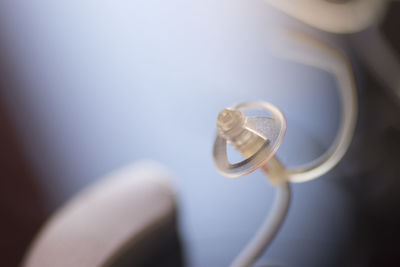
234	126
257	138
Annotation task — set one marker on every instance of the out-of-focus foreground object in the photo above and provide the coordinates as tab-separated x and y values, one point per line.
126	219
361	18
337	16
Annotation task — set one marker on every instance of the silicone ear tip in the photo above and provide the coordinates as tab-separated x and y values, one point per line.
272	129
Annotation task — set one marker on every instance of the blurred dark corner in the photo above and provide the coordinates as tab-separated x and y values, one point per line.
22	210
375	153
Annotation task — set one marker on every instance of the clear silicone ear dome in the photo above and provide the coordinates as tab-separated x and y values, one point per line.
257	138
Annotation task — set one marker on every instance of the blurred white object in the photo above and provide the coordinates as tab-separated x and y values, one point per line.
101	224
357	17
334	16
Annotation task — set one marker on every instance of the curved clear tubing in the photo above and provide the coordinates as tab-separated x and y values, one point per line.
311	52
268	229
314	53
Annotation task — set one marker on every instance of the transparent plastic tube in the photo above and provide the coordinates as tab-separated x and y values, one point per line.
268	230
309	51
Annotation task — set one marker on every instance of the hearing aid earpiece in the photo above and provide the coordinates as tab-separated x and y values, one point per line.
257	138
